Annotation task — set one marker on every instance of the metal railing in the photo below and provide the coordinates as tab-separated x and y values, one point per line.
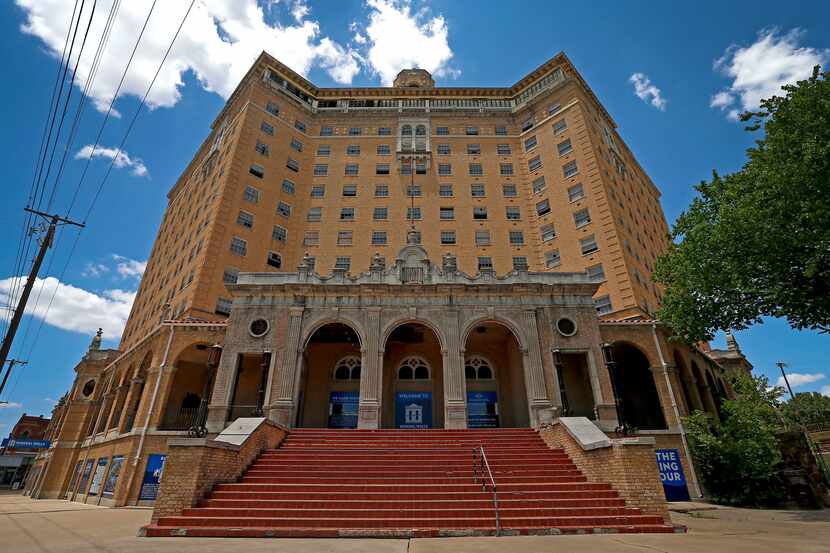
480	464
182	419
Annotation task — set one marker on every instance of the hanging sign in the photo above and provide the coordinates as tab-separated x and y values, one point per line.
413	410
671	474
343	409
482	410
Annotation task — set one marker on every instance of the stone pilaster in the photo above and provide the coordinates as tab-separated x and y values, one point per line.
541	407
284	393
370	374
455	389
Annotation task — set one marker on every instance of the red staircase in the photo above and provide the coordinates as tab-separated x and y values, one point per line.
408	483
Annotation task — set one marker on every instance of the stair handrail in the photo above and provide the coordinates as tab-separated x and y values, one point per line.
480	464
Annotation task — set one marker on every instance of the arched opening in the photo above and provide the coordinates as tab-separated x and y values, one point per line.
494	376
717	392
635	385
192	381
413	378
702	391
140	377
330	382
686	379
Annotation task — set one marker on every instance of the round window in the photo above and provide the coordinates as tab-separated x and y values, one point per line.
88	388
259	327
566	327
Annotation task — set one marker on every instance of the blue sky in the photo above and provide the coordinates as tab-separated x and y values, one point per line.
686	57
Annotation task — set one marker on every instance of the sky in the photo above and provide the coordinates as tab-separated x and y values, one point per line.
673	76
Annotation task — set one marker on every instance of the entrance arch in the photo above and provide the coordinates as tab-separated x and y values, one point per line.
494	377
635	385
413	378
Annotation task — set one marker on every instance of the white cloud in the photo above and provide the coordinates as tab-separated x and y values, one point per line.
646	91
74	308
11	405
799	379
760	70
122	158
218	44
94	270
399	39
825	390
127	267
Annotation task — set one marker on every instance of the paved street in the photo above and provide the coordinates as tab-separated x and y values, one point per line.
57	526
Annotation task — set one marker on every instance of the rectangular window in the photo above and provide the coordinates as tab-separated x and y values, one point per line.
501	131
479	213
274	260
485	264
355	131
231	275
570	169
351	169
447	213
272	108
520	263
543	207
482	237
417	237
315	214
347	214
296	144
508	190
266	128
382	169
534	164
560	126
530	143
257	170
503	149
344	238
477	190
324	150
279	233
444	169
603	305
444	149
349	190
575	193
471	131
582	218
318	191
413	191
588	245
554	108
564	147
473	149
420	168
321	170
506	169
223	306
245	219
293	164
262	148
384	131
251	195
353	150
343	263
288	186
384	150
552	259
442	131
476	170
381	190
311	263
380	214
299	125
239	246
538	184
595	272
413	213
517	238
311	238
379	238
527	124
548	232
406	168
513	213
284	209
325	131
445	190
447	237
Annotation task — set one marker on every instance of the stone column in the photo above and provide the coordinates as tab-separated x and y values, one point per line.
131	405
455	386
663	394
284	392
541	407
371	373
220	398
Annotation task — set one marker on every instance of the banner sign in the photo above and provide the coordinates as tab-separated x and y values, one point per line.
112	477
74	480
85	476
152	477
482	410
671	474
343	409
98	477
413	410
24	443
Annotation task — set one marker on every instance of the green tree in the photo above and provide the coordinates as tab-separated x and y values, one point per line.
737	458
757	242
807	408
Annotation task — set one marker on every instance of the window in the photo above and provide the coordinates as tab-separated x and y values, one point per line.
351	169
543	207
284	209
315	214
534	164
318	191
471	131
552	259
501	131
413	191
447	213
296	144
479	213
413	213
575	193
508	190
570	169
527	124
513	213
230	275
420	168
477	190
520	263
380	214
262	148
443	149
245	219
266	128
223	306
321	170
554	109
560	126
251	195
344	238
506	169
239	246
293	164
447	237
517	238
299	125
548	232
343	263
311	238
272	108
325	131
355	131
530	143
384	131
406	168
384	150
382	169
381	190
324	150
379	238
413	368
442	131
274	260
588	245
347	214
257	170
444	169
582	218
503	149
564	147
349	190
353	150
482	237
603	305
473	149
538	185
417	237
445	190
476	170
485	264
288	186
595	272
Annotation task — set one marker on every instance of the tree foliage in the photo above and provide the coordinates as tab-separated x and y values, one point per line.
757	242
808	408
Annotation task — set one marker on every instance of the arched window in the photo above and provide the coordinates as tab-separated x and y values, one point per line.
478	368
420	130
413	368
406	130
347	368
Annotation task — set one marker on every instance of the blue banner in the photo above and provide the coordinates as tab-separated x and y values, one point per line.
671	474
25	443
98	477
85	476
112	477
413	410
343	409
152	477
482	410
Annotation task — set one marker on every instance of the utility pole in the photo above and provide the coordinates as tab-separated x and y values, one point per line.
12	363
781	366
45	244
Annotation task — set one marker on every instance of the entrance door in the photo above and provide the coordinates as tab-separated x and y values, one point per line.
413	394
482	394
